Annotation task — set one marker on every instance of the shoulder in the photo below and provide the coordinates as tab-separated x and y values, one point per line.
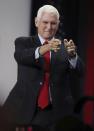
24	38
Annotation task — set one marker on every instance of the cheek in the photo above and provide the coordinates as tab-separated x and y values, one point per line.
41	27
55	29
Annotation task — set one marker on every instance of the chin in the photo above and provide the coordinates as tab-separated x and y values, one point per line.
48	37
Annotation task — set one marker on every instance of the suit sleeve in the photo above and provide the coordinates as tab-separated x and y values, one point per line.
25	53
79	69
76	77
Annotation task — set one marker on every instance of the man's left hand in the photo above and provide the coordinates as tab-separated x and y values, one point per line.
70	47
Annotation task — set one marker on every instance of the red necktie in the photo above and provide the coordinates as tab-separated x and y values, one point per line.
43	99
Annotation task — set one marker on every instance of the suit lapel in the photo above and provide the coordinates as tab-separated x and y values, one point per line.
35	40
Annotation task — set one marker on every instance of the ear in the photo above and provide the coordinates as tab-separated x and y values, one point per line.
36	22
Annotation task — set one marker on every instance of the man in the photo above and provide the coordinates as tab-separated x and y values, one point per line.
43	61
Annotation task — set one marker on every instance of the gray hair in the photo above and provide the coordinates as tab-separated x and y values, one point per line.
48	9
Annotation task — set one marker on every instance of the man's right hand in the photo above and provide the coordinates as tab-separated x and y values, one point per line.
54	44
51	45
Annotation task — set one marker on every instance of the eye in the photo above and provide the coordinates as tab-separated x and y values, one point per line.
45	22
53	23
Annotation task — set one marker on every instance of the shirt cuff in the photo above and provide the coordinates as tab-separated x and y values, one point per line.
37	53
73	61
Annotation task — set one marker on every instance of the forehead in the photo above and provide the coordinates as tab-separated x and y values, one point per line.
48	16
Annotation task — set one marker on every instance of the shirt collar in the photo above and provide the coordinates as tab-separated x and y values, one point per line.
41	39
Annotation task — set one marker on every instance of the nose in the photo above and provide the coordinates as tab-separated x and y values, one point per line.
49	26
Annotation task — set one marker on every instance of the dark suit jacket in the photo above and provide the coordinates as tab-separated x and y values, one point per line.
22	100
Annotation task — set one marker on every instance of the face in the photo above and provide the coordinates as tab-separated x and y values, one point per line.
47	25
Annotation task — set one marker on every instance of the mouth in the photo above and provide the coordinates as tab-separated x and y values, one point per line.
49	32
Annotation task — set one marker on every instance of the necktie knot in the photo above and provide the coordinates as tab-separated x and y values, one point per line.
46	42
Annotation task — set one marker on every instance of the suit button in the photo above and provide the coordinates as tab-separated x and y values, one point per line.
40	83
